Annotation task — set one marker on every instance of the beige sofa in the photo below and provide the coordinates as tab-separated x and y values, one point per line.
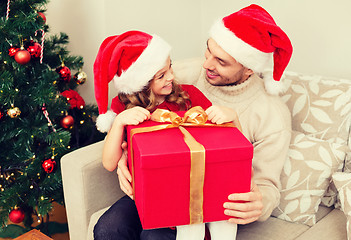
310	207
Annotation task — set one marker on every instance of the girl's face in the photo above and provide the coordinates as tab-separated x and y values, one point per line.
161	84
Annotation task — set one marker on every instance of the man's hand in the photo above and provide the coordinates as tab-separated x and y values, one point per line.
124	176
244	208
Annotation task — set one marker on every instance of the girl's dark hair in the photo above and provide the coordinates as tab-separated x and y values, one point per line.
146	98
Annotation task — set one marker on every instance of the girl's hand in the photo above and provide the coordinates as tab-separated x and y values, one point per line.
220	114
133	116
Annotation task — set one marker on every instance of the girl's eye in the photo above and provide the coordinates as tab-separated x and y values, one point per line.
161	76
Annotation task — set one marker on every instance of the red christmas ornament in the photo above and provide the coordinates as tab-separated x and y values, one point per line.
42	15
74	99
49	165
13	51
16	215
1	114
34	50
22	56
64	72
67	121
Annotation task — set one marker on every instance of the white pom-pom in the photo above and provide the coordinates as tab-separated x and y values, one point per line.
104	121
273	87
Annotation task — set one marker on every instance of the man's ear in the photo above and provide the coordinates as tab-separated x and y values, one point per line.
248	72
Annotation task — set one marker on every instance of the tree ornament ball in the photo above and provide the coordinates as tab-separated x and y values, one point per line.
1	115
22	56
49	165
42	15
64	73
14	112
16	215
80	77
34	50
13	51
67	121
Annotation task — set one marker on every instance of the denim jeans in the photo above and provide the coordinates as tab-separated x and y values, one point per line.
121	222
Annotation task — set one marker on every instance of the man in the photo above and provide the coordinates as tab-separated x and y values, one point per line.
238	49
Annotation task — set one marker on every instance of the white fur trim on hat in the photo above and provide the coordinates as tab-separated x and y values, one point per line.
151	60
273	87
244	53
104	121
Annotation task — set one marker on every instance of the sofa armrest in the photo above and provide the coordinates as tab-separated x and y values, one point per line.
87	186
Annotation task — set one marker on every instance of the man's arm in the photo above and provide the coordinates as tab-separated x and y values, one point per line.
258	204
268	128
188	71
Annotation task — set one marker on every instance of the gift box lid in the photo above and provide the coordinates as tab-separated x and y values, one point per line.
166	148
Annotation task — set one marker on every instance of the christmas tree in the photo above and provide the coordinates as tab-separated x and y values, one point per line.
42	117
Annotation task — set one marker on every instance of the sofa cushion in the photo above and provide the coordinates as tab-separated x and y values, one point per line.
272	228
306	176
342	182
319	106
330	227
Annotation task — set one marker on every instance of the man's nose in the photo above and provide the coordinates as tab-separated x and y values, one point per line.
208	64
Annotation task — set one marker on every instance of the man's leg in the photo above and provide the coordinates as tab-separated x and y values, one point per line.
158	234
120	222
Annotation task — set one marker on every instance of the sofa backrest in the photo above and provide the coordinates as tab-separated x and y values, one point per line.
319	106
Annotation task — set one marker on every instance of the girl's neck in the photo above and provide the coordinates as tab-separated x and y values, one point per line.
160	99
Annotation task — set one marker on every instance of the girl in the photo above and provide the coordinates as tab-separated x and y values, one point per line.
140	67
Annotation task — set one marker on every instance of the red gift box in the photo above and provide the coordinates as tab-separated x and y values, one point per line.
161	172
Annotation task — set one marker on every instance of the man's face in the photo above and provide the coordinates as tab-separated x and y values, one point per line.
221	68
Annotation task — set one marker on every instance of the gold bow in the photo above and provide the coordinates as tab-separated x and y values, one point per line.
195	116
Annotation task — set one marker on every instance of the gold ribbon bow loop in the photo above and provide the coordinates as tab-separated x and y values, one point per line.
194	116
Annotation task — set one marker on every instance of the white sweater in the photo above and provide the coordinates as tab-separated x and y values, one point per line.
266	123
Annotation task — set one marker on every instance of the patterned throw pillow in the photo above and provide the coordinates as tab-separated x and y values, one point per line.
320	106
342	182
347	167
306	176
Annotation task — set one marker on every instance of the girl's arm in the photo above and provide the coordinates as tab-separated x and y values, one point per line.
112	151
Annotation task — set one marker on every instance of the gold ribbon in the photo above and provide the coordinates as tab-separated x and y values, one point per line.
195	116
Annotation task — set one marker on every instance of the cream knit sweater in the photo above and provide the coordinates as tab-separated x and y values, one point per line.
266	123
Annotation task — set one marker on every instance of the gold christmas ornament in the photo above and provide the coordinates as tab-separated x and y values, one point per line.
13	112
80	77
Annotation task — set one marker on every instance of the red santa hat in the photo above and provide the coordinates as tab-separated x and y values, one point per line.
130	60
251	37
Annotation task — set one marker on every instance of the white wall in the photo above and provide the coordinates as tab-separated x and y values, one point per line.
320	31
